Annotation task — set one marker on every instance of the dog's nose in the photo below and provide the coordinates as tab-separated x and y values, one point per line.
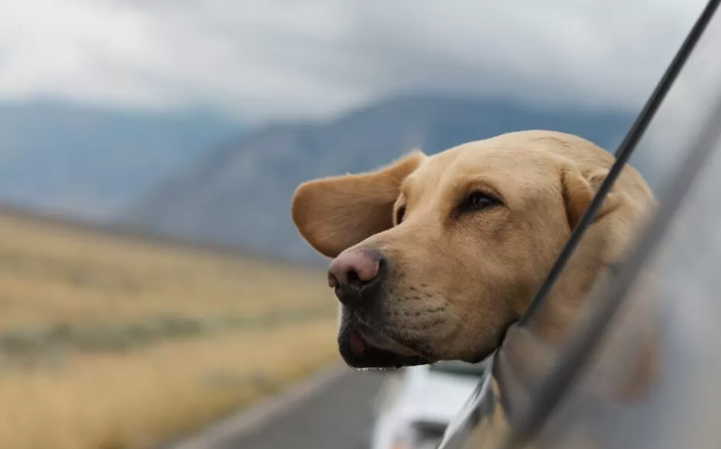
353	272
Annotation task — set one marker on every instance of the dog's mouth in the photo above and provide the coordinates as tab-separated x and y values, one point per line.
363	347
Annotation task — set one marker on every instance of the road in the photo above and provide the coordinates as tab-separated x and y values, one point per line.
339	417
335	413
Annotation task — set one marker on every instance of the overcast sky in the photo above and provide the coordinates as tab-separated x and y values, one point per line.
271	59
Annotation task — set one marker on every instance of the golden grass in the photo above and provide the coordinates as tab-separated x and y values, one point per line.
54	274
141	398
51	273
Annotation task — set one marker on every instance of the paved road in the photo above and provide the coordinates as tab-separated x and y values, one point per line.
338	417
332	410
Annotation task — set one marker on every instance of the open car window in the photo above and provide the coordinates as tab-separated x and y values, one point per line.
649	379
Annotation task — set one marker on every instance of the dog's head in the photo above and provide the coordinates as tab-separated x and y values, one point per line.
435	256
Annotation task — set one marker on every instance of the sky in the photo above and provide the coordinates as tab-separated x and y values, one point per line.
266	60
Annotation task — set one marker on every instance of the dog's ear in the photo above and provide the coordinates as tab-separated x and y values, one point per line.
578	190
335	213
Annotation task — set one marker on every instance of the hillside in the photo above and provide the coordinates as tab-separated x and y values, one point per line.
91	162
110	341
239	195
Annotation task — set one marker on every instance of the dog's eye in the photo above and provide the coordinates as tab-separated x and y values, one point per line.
479	201
400	213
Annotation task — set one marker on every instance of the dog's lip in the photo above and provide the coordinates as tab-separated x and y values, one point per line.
359	353
366	336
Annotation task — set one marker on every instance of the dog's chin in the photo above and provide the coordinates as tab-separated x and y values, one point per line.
362	347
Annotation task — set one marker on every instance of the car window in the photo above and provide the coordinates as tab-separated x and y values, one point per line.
661	352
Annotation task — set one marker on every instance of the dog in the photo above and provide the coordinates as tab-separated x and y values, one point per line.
434	257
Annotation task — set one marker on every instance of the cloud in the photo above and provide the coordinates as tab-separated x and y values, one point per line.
272	59
78	50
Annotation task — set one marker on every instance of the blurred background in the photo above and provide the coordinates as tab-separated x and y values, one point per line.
151	281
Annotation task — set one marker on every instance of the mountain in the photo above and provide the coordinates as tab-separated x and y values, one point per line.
92	162
240	194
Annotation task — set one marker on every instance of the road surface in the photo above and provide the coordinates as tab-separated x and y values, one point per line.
338	417
335	412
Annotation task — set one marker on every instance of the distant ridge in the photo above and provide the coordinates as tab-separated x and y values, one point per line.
239	194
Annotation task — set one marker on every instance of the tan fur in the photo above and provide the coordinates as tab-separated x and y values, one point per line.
358	206
457	281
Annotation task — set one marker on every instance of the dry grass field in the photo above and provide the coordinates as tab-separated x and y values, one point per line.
110	342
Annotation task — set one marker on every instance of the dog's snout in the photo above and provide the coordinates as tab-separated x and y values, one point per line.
353	272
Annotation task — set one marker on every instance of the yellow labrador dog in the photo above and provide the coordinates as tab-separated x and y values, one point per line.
435	256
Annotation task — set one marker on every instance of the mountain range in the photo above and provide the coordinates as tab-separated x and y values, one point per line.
93	162
238	195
